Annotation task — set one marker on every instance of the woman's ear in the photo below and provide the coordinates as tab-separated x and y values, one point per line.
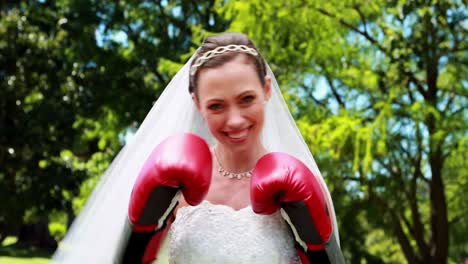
267	88
195	101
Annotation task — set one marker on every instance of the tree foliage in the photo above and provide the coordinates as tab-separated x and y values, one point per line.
379	92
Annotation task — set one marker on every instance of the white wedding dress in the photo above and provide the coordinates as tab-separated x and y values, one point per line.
210	233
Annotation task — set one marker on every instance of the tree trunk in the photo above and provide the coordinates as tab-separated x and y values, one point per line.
439	212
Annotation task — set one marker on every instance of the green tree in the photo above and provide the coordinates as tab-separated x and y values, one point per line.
389	132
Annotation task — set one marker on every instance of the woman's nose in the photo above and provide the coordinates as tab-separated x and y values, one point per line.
235	118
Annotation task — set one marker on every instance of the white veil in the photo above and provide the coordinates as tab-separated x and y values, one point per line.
98	233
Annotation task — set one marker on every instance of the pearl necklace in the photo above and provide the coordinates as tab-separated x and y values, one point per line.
228	174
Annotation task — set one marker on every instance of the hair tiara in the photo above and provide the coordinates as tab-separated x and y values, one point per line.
218	51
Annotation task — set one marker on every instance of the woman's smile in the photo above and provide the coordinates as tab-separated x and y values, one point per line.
238	136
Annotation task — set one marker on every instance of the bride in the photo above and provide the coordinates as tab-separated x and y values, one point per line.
243	201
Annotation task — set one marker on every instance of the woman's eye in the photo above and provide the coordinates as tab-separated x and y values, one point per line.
215	107
248	99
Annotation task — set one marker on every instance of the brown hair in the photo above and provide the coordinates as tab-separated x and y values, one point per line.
224	39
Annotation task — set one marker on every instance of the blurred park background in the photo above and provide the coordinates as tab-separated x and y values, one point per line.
378	90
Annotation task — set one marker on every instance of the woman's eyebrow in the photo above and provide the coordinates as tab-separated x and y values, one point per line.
245	92
213	100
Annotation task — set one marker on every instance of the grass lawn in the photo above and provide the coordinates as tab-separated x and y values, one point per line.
10	254
23	260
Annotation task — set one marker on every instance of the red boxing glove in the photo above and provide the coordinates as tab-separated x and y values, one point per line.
181	163
282	181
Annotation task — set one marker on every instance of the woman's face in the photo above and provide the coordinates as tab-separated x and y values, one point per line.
232	101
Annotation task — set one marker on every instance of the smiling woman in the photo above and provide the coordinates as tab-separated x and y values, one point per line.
230	87
243	201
